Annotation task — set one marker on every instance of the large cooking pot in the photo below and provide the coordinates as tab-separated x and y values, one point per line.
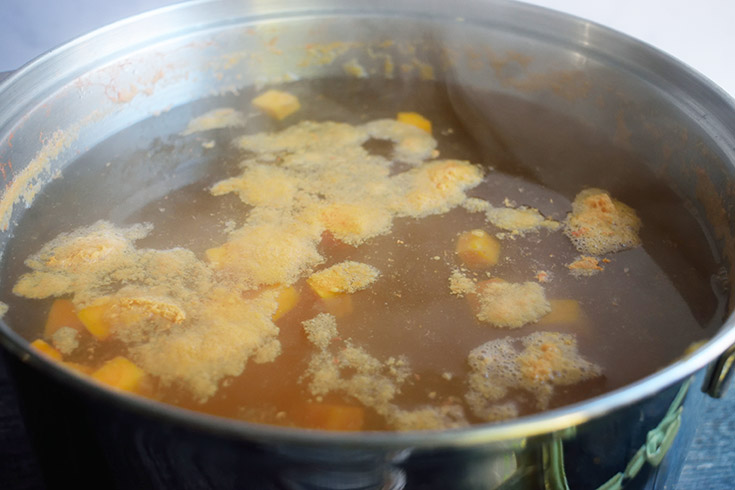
99	97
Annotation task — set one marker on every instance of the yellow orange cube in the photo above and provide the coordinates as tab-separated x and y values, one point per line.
95	320
46	349
120	373
287	301
328	416
477	249
61	314
339	305
414	119
563	311
277	104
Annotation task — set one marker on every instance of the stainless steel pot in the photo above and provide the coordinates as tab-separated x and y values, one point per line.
70	100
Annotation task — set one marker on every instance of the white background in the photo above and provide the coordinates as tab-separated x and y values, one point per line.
699	33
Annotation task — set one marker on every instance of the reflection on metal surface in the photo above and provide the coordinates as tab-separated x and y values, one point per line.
719	373
658	442
554	475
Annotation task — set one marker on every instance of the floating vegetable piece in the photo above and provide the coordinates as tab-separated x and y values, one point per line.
339	305
562	311
414	119
44	348
328	416
95	320
277	104
61	314
287	301
120	373
477	249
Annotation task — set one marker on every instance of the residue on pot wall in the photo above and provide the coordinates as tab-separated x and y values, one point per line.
225	117
717	216
26	183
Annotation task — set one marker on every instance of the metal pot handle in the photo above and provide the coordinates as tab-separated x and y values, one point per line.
658	442
719	373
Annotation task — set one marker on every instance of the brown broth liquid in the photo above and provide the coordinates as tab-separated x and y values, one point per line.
639	314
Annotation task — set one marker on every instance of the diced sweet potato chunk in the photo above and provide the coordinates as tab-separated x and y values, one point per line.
562	311
120	373
327	416
414	119
287	301
95	321
477	249
277	104
339	305
106	316
44	348
61	314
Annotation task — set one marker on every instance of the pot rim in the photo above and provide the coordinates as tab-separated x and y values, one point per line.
546	422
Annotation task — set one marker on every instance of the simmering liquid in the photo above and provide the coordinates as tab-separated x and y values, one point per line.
409	347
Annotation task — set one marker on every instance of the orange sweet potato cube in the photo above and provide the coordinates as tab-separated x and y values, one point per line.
562	311
477	249
277	104
120	373
94	318
339	305
46	349
329	416
414	119
321	291
61	314
287	301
